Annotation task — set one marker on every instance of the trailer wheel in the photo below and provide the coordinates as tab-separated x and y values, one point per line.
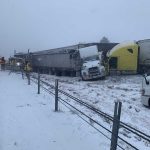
149	102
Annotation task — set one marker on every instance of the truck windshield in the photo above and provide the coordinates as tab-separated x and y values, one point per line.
91	58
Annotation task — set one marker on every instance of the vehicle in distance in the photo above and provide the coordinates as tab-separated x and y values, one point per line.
145	96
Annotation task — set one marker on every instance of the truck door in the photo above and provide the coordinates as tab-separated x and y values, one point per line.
113	63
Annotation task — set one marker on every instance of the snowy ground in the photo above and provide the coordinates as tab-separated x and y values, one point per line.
28	121
103	93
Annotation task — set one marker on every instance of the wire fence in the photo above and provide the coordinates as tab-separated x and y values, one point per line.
55	91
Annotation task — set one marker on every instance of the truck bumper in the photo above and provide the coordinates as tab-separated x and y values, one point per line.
90	77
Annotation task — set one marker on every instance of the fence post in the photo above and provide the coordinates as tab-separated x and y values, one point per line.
28	78
116	124
56	95
22	74
38	83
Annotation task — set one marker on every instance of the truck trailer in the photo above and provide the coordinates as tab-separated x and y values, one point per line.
65	61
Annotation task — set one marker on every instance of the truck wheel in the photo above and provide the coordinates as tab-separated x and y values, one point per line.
149	102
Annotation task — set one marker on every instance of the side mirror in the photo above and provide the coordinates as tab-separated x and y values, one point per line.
146	81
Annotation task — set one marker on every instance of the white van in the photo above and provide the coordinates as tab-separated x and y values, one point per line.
145	98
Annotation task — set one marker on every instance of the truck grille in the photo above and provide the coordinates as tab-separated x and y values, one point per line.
94	71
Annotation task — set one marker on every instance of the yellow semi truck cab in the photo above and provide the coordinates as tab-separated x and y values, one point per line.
123	58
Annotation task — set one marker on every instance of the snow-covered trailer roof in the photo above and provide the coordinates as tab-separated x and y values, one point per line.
67	49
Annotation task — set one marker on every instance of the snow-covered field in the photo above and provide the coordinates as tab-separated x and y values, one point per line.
28	120
103	93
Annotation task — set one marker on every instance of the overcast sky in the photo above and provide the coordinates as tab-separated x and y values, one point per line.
45	24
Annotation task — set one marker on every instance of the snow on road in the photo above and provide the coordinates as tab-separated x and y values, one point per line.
28	121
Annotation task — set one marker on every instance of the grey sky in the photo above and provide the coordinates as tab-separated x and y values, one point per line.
45	24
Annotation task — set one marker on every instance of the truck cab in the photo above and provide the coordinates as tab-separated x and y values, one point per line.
145	96
92	68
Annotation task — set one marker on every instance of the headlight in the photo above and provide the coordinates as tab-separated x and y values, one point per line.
18	63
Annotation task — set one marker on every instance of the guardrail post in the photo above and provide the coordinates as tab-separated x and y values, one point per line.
56	95
116	124
38	83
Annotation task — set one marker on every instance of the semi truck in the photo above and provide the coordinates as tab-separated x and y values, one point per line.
66	61
130	57
145	94
92	67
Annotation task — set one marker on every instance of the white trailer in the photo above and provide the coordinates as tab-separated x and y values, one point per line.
144	54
